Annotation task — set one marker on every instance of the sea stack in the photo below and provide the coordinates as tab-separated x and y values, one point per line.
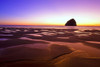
71	22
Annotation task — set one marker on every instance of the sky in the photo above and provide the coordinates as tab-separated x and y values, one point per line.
49	12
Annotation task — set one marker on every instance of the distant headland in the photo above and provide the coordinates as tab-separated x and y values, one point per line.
71	22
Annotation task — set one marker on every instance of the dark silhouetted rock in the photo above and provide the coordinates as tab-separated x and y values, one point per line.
71	22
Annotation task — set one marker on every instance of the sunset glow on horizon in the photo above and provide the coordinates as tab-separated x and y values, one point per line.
49	12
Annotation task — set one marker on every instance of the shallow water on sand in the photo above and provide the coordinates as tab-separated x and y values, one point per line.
49	46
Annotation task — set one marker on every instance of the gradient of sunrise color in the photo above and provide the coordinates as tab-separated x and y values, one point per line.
49	12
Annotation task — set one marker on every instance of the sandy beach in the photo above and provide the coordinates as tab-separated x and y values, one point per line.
49	47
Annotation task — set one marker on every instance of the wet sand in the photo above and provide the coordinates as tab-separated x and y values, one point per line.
41	47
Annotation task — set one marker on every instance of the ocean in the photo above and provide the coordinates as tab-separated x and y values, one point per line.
54	27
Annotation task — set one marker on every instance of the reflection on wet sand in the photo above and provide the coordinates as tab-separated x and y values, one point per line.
36	47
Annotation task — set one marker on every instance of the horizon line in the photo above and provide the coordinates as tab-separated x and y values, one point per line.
47	25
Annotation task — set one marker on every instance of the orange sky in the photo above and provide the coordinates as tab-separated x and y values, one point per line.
49	12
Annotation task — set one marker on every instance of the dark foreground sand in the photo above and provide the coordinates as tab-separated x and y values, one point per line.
35	47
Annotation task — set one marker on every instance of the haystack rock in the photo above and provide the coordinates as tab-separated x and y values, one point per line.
71	22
